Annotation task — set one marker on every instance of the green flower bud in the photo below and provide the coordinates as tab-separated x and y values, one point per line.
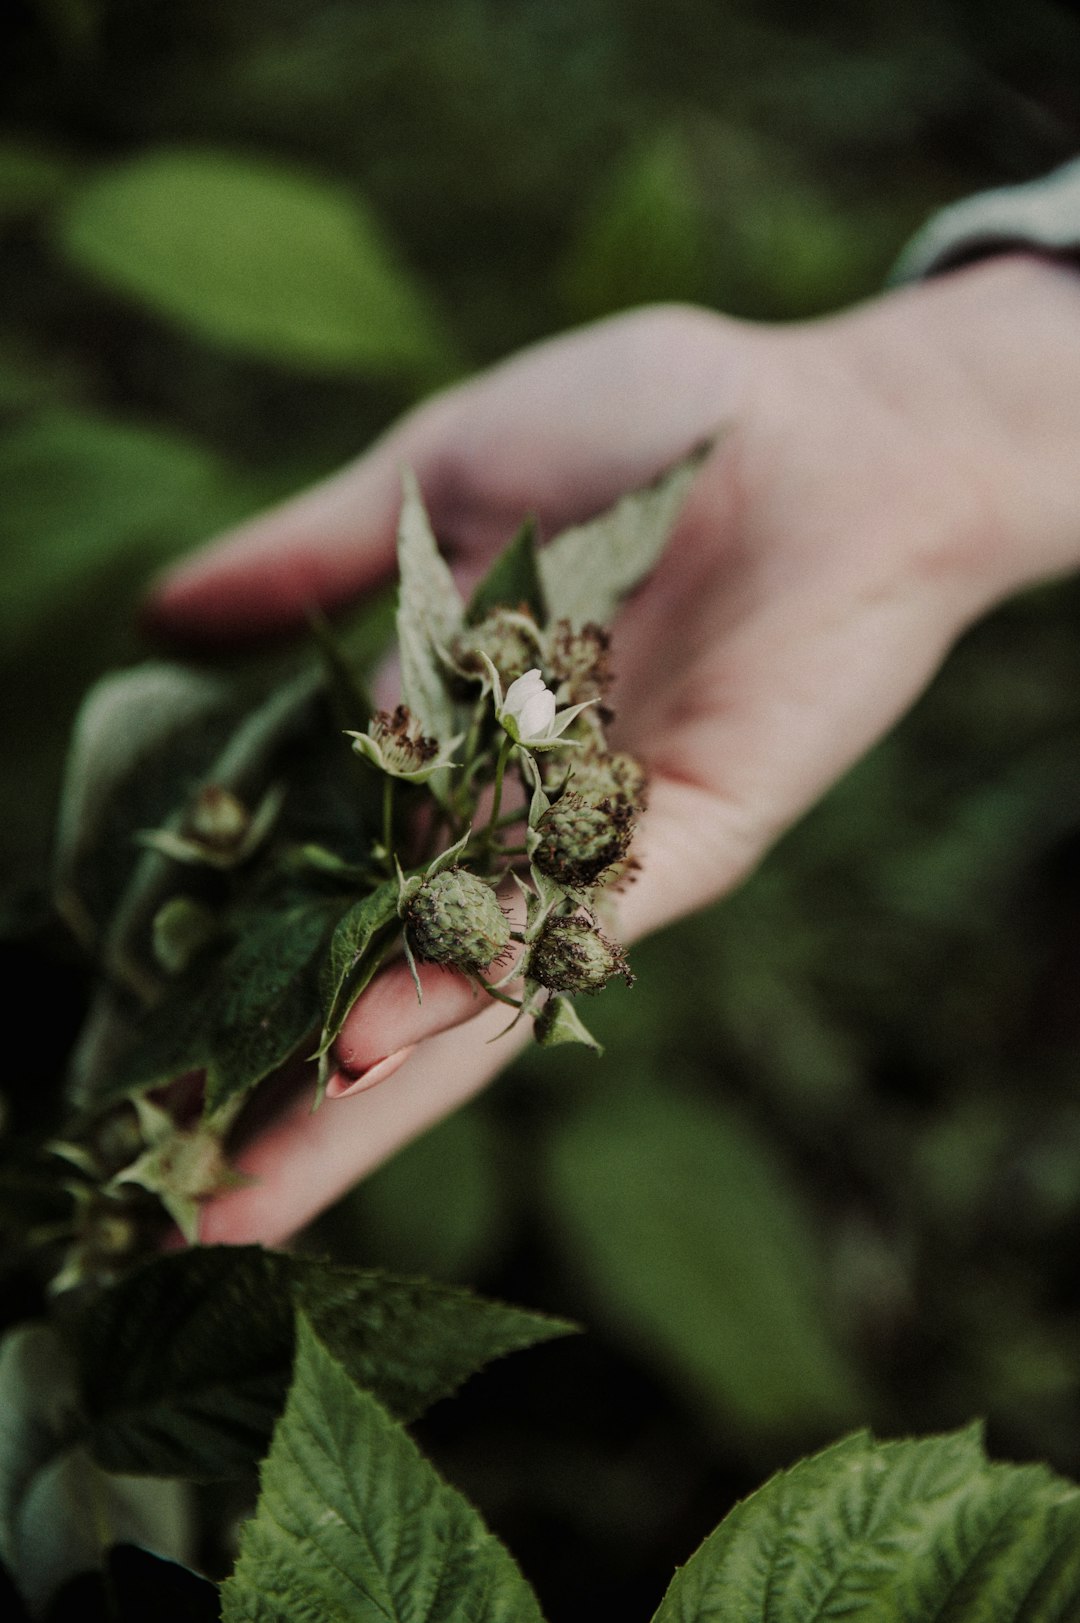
616	777
574	955
181	928
454	918
218	818
577	840
509	638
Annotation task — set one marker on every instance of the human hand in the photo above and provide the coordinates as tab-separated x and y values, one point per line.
884	476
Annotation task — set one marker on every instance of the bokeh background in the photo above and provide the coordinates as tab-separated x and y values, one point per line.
828	1173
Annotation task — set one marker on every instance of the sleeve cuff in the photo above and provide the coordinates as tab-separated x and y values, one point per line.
1044	215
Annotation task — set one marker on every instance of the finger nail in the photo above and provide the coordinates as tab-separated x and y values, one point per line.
347	1081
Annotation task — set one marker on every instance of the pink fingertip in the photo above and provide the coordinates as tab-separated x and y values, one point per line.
344	1083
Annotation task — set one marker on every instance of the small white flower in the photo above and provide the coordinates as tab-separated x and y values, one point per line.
528	711
531	704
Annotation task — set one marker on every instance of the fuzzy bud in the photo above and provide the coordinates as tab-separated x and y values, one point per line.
574	955
454	918
579	661
577	841
218	818
509	638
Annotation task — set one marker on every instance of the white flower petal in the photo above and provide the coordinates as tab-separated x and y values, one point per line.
537	714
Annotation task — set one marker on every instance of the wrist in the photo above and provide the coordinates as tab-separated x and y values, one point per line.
986	360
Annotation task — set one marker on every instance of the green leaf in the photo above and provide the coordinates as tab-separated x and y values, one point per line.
84	497
184	1364
353	1524
127	725
697	1247
262	259
354	956
587	570
907	1532
59	1512
266	999
513	581
559	1023
239	1015
430	613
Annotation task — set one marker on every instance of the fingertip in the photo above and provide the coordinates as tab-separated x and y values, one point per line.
388	1016
345	1083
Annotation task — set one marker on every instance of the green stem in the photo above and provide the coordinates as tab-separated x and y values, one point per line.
388	823
501	997
500	771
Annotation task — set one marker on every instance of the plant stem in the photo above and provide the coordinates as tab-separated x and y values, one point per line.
501	997
388	824
500	771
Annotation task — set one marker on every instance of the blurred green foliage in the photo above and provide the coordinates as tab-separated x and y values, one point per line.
235	241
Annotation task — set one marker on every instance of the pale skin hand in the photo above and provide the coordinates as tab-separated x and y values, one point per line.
886	475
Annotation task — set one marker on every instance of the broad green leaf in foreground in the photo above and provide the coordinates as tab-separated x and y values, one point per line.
430	612
184	1365
354	1525
696	1246
906	1532
587	570
59	1512
263	259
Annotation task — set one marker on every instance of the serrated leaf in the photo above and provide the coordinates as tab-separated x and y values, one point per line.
59	1512
430	613
266	999
513	581
906	1532
184	1365
340	1487
354	957
260	258
587	570
698	1249
238	1016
